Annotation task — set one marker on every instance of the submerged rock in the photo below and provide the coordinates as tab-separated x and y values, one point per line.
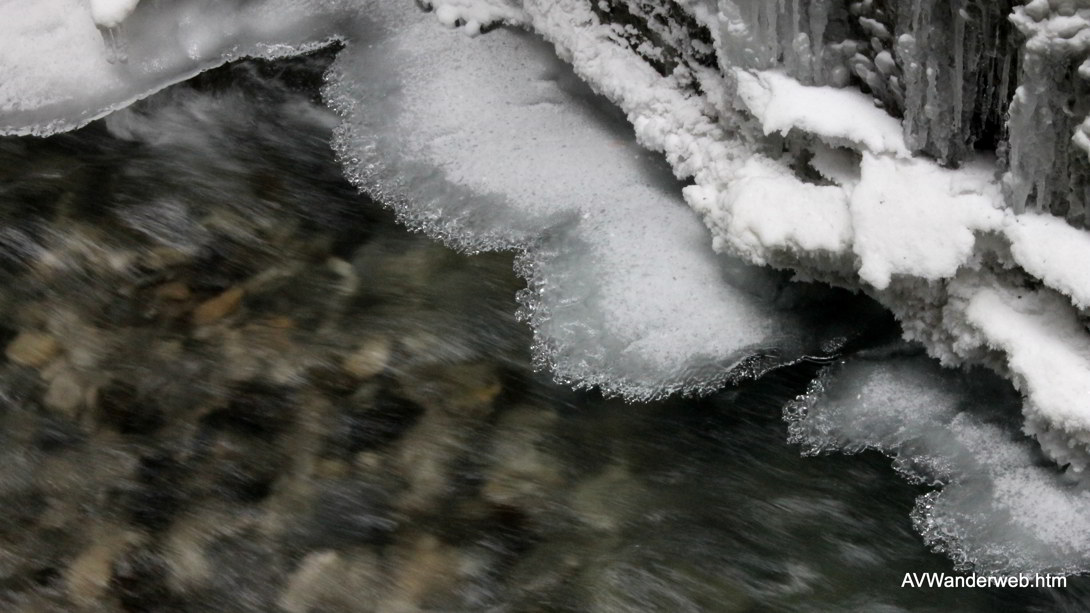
34	349
370	359
217	308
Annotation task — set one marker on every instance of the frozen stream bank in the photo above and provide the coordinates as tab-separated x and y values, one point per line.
832	140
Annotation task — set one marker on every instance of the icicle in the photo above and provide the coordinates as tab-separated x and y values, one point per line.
791	57
960	16
113	38
771	34
795	19
1005	82
917	15
108	16
1032	149
819	18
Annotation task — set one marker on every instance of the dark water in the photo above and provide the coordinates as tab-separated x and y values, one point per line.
231	383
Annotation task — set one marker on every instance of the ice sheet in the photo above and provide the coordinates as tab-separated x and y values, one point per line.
1002	506
493	143
59	71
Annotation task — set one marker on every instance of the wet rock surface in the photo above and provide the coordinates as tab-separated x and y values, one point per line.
230	383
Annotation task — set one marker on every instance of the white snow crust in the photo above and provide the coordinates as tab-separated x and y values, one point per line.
783	104
1051	250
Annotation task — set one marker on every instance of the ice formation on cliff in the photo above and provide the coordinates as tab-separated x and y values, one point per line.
944	247
933	154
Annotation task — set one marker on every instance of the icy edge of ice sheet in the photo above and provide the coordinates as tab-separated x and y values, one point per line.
492	143
1002	507
62	70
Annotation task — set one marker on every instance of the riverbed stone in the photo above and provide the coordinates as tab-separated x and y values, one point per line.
426	572
522	472
333	580
33	349
174	290
369	359
215	309
87	578
608	500
466	389
66	393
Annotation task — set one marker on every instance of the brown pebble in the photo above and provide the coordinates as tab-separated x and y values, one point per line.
175	290
370	359
217	308
65	393
329	468
280	321
87	578
305	587
34	349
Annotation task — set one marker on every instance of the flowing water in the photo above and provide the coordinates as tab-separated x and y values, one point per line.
231	383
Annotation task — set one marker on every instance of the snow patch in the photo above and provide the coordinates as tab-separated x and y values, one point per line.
914	218
766	212
783	104
1047	247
